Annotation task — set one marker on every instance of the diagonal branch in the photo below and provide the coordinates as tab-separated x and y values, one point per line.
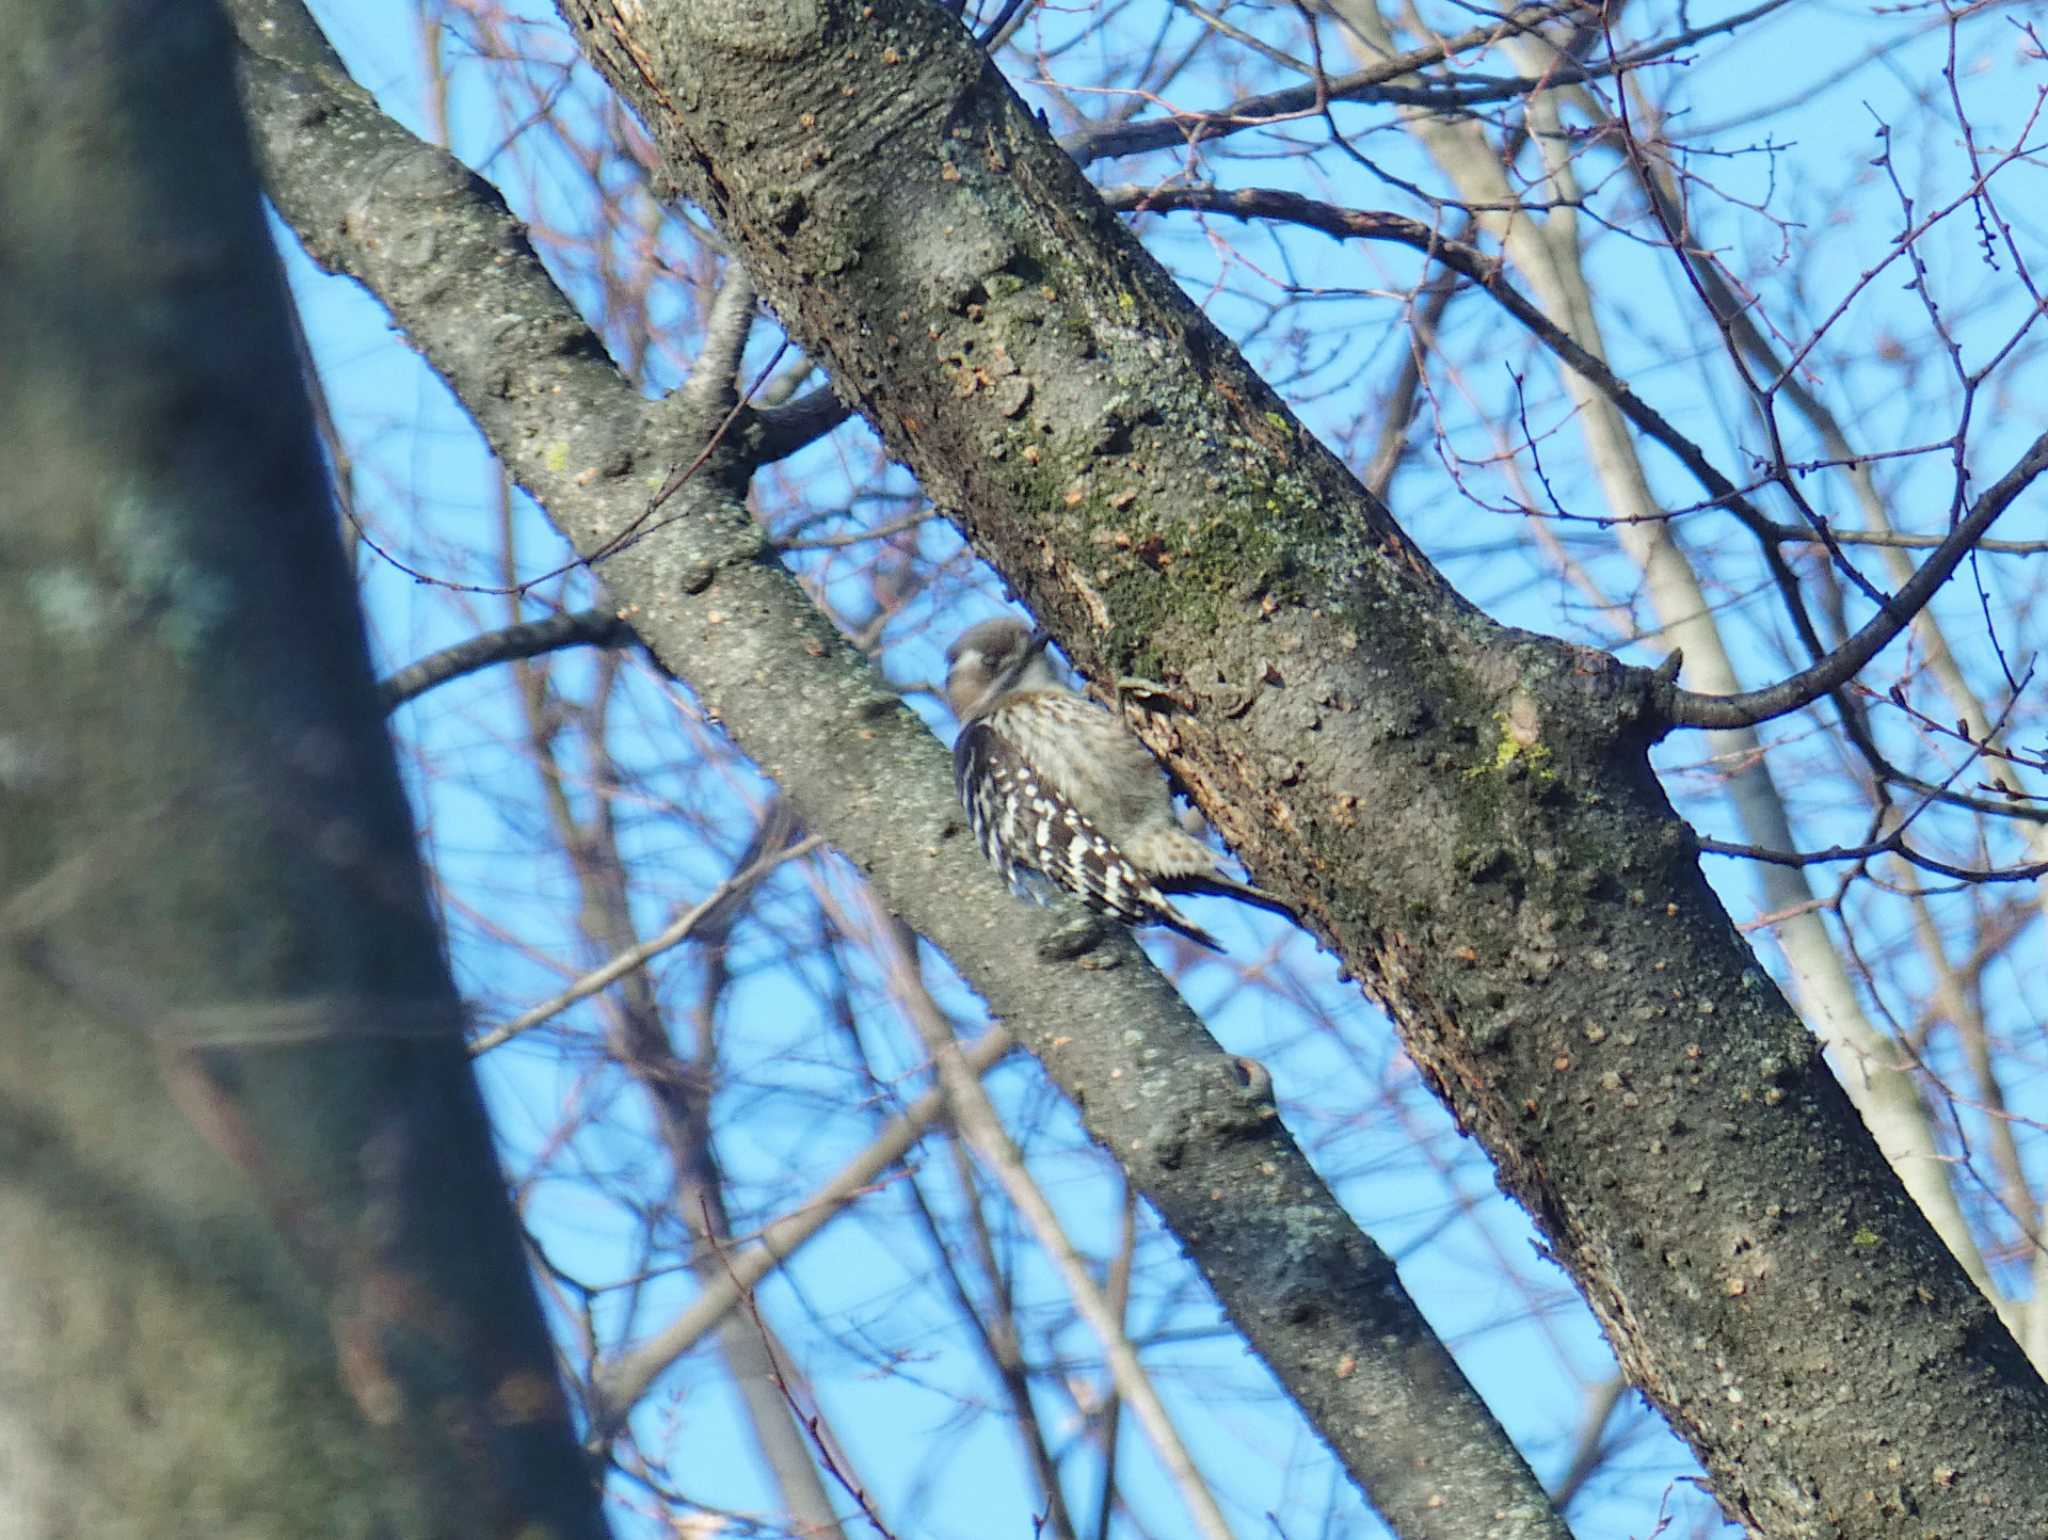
529	639
1687	709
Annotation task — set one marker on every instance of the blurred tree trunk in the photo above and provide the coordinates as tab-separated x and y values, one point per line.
257	1272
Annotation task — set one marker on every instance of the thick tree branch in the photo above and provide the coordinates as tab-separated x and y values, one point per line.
259	1271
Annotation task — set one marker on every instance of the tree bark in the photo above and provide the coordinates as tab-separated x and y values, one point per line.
1465	813
258	1275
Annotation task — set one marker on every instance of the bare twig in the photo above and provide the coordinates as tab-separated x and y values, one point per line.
620	1383
673	935
976	1120
1376	83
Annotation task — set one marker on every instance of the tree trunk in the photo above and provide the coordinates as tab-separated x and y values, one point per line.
257	1271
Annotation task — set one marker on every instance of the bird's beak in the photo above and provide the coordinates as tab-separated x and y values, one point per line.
1037	644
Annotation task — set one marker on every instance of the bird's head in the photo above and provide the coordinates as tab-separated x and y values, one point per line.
993	659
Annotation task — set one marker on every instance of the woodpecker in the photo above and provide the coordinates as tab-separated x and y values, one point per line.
1058	789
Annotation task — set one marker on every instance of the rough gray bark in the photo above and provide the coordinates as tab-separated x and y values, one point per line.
258	1276
1467	814
1318	1301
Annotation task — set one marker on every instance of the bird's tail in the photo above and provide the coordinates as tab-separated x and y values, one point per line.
1216	885
1165	914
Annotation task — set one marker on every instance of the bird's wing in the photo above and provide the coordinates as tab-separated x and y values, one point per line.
1019	821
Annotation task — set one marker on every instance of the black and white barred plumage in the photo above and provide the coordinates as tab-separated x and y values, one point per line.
1056	789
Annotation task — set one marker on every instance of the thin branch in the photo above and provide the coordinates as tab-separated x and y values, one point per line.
1900	539
777	432
1594	1446
1119	1290
713	384
530	639
997	32
674	934
1488	273
619	1384
810	1421
1376	83
1687	709
1887	846
979	1126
